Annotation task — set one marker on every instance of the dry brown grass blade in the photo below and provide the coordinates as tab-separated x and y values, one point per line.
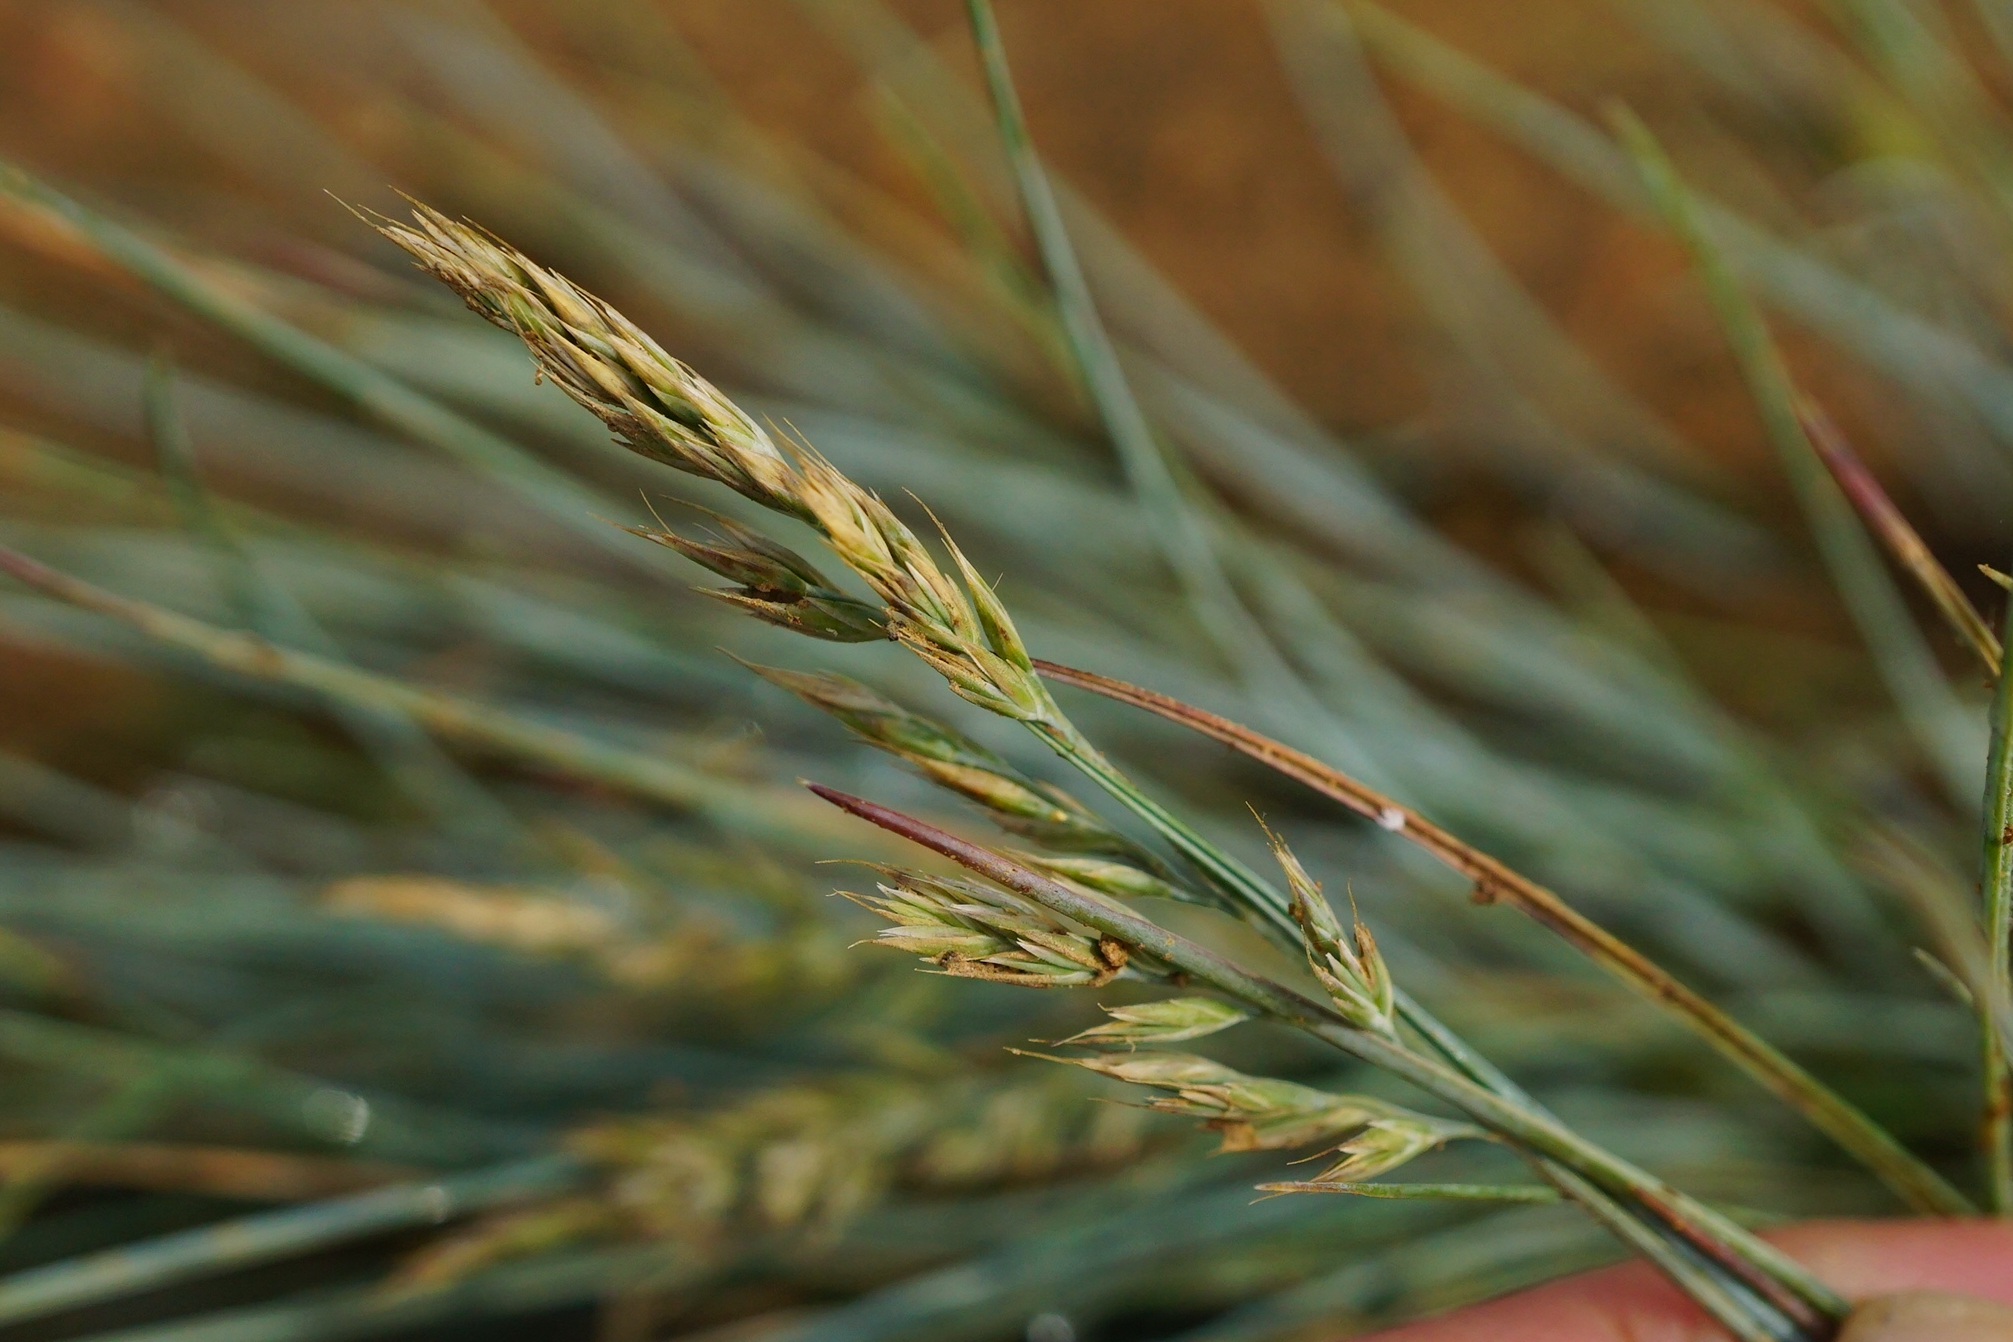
215	1171
1886	521
1915	1182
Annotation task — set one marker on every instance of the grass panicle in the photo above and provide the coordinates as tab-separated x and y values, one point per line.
962	632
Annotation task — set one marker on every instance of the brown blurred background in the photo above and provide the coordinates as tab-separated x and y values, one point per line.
1173	117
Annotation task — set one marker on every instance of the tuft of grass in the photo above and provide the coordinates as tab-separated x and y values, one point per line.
418	835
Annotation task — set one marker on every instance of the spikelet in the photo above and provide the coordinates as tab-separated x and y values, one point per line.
1175	1020
951	760
773	582
1347	963
970	929
1260	1113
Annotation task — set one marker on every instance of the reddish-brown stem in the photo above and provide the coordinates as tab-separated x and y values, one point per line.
1914	1181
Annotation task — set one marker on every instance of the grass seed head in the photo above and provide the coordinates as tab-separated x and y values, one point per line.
812	1155
1251	1113
1168	1022
1106	876
662	409
533	921
656	405
1347	962
776	584
972	930
1384	1144
1023	805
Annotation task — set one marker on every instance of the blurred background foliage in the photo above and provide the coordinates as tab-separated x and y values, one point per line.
344	1029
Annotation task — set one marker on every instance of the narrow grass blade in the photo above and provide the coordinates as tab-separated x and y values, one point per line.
371	390
1917	1184
268	1236
407	755
1184	538
1017	290
548	1282
1557	426
1447	1192
1919	55
1886	521
137	1103
762	811
1917	683
1964	966
1475	1261
304	1107
1742	1312
213	1171
1997	882
49	802
1919	353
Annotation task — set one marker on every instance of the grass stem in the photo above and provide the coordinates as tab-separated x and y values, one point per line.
1996	1135
1179	530
262	1238
377	393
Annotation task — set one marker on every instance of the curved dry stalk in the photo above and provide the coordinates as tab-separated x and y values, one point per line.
1886	521
1915	1182
214	1171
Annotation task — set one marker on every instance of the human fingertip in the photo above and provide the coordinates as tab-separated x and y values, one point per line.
1929	1316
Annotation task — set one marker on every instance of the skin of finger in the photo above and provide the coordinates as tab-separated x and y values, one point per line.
1632	1303
1930	1316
